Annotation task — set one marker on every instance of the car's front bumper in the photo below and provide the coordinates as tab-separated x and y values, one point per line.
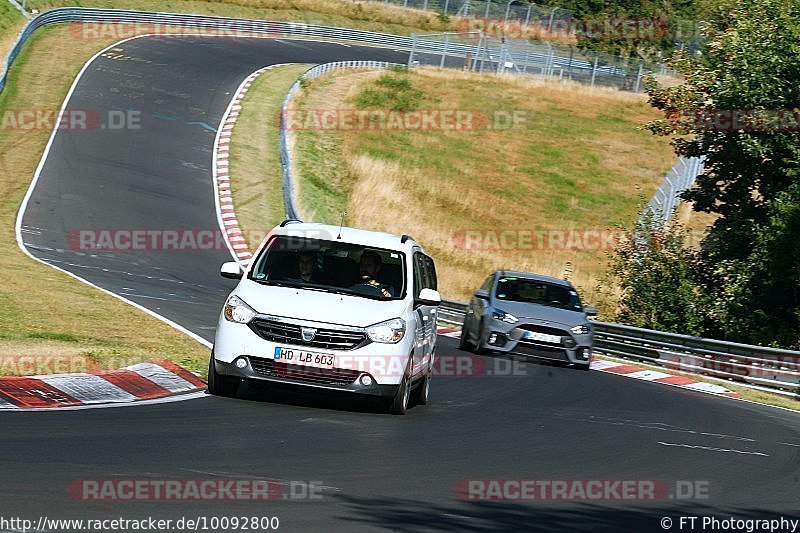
509	338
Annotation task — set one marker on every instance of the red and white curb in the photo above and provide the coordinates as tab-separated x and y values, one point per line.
226	215
636	372
152	380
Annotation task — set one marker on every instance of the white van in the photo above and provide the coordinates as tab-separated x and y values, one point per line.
331	308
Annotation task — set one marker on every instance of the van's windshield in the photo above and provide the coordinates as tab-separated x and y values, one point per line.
331	266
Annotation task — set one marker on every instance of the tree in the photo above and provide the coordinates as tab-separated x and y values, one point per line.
738	108
657	276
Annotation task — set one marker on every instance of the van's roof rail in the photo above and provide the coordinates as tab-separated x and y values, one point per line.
291	221
404	238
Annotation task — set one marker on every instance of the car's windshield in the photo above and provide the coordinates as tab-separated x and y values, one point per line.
538	292
332	266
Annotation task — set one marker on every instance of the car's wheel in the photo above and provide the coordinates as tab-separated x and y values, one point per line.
422	392
220	385
583	367
463	342
478	348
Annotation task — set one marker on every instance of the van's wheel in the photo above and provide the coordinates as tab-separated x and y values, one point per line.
402	398
422	392
220	385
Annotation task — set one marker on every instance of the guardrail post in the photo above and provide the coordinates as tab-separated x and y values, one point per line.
638	78
594	68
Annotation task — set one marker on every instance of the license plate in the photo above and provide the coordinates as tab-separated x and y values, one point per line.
303	357
542	337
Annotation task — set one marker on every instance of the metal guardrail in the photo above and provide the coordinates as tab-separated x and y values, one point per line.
289	202
680	178
234	27
758	366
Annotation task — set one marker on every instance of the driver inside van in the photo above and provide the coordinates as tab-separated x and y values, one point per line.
369	267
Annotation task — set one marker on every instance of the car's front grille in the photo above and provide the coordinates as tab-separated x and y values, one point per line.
309	375
544	329
536	350
326	339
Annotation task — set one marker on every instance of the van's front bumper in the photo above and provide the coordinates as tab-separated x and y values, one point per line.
294	378
373	368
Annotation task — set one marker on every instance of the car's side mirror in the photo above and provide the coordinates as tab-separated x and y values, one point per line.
429	297
231	270
482	294
589	310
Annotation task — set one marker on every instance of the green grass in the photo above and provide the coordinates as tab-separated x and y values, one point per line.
255	161
578	160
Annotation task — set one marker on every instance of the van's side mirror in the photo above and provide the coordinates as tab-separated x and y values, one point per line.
230	270
429	297
482	294
589	310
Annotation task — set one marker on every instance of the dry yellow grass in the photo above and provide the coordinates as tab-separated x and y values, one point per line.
579	164
695	223
80	321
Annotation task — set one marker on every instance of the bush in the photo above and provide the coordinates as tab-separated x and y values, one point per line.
658	280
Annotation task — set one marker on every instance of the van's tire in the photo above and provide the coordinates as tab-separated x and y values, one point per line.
220	385
402	398
422	392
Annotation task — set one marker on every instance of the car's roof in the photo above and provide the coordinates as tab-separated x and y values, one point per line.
315	230
536	277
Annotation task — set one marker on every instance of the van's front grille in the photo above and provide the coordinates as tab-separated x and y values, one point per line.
309	375
324	338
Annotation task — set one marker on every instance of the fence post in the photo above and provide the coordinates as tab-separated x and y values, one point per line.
594	68
444	52
446	5
413	49
488	4
638	78
569	64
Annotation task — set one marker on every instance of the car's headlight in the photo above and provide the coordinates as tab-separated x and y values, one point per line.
502	316
388	332
583	329
237	310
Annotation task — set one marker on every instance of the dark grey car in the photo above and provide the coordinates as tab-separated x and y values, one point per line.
531	315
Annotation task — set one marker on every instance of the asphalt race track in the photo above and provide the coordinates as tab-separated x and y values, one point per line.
375	470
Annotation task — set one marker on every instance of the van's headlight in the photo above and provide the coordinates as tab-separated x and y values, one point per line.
237	310
583	329
389	332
